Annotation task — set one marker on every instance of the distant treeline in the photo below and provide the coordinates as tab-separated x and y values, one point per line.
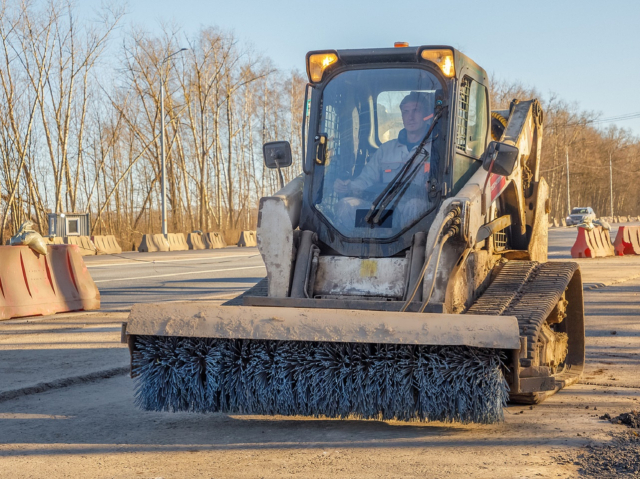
80	127
573	144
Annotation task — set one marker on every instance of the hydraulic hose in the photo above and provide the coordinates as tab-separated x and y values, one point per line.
450	216
450	232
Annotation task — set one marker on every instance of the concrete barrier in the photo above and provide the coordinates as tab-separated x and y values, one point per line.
194	240
101	244
87	248
113	242
248	238
214	240
153	243
35	284
627	240
594	243
54	240
106	244
177	242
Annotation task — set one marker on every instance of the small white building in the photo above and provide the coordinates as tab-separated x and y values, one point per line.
69	224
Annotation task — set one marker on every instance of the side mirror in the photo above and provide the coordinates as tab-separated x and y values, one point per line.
503	156
277	154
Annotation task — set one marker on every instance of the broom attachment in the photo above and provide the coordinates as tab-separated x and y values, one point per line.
321	379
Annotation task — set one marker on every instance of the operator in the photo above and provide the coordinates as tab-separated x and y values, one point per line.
417	116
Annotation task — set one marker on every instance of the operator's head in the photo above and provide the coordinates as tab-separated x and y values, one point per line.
416	111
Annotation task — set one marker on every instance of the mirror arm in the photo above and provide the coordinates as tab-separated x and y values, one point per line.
280	177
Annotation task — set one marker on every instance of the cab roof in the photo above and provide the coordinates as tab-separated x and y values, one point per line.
403	55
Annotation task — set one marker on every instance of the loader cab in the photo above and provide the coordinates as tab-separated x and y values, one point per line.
367	117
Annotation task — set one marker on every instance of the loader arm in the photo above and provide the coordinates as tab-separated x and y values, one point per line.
524	195
520	200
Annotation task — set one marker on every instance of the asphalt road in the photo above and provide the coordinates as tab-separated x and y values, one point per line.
132	277
67	405
129	278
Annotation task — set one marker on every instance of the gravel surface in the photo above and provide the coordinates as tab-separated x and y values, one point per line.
619	458
630	419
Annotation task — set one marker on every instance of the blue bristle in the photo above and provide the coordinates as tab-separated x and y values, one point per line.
323	379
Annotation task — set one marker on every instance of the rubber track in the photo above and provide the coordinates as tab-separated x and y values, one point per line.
527	290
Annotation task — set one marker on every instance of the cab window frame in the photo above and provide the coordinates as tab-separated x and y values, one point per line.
461	156
316	122
465	152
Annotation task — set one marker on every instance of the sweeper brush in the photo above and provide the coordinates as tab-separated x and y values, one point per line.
202	357
336	380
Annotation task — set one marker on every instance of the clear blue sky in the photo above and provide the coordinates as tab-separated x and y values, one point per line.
585	51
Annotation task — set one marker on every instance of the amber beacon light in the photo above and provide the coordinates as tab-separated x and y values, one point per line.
443	58
318	63
401	44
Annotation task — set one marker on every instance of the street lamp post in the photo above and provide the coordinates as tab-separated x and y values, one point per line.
611	183
163	165
568	193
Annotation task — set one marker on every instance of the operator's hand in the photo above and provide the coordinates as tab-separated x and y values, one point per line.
341	186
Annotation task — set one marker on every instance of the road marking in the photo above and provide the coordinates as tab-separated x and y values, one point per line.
137	262
179	274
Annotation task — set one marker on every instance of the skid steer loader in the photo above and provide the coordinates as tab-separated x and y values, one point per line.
407	274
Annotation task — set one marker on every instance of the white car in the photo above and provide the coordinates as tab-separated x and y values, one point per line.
579	214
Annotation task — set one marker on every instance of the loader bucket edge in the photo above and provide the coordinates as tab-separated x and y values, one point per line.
206	320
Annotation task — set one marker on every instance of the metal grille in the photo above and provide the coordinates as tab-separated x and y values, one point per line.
463	115
499	240
331	128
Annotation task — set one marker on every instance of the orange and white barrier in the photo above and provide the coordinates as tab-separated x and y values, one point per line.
594	243
32	284
627	240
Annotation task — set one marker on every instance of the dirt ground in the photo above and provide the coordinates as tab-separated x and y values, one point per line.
66	410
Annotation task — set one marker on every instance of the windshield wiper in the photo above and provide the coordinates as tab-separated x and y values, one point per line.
400	182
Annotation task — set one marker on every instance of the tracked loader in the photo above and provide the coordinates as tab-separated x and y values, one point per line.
407	274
